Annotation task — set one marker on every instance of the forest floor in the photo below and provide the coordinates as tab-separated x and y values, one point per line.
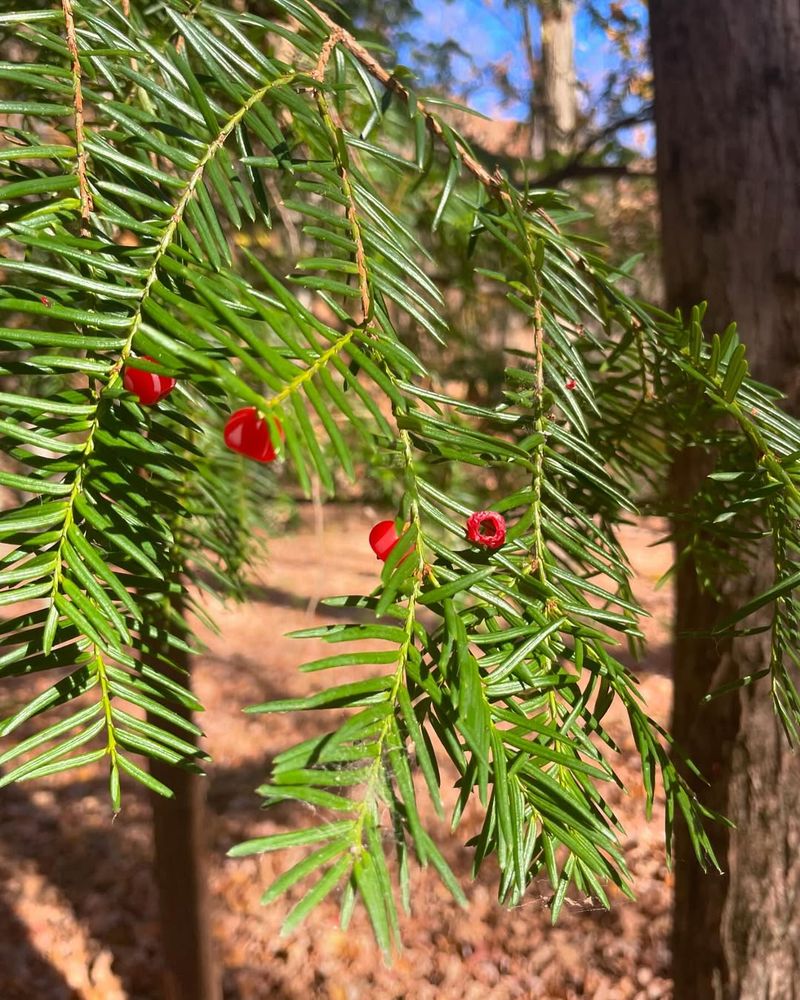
77	902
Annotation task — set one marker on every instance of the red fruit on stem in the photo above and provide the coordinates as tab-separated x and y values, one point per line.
487	528
248	433
149	387
571	384
382	539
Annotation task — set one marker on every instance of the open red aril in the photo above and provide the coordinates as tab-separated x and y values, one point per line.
487	528
148	386
248	433
383	538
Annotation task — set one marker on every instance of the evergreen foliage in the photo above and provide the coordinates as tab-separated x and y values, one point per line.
138	141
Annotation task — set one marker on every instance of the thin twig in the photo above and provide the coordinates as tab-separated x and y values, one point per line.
575	169
575	166
87	206
330	43
336	36
493	182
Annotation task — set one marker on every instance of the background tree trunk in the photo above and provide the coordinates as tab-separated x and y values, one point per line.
181	873
553	77
727	97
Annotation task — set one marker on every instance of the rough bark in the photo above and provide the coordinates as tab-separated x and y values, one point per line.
727	97
181	873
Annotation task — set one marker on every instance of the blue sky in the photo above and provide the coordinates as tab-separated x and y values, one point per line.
491	32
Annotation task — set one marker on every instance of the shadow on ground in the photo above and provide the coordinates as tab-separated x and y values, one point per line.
26	972
43	840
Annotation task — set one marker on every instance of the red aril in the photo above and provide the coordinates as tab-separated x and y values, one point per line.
487	528
382	539
247	433
149	387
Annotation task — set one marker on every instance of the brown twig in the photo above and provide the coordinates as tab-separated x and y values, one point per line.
493	182
330	43
576	166
87	206
574	170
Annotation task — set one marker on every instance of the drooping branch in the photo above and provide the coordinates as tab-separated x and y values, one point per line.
344	176
115	372
493	182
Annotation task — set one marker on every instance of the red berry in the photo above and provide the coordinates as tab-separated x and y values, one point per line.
382	539
149	387
571	384
487	528
248	433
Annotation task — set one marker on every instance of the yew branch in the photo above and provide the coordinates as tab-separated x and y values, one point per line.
87	206
493	182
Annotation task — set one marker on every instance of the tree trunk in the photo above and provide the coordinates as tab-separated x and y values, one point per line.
552	79
181	873
558	93
727	79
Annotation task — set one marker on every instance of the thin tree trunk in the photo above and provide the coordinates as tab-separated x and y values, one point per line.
727	97
181	873
558	97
